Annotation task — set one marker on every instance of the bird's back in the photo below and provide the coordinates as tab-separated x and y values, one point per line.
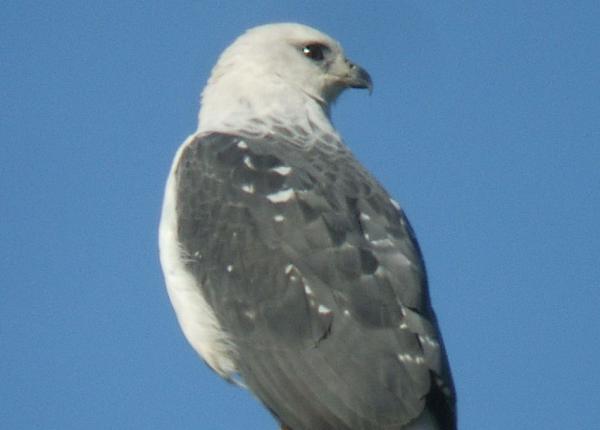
316	279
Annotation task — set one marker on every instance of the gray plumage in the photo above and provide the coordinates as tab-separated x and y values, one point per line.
313	280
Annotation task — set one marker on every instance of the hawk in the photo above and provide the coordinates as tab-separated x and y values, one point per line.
290	268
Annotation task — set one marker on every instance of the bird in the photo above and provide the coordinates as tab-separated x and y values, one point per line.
291	270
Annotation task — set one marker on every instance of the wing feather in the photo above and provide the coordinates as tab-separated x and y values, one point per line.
317	278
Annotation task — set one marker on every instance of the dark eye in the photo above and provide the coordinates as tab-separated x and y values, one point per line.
314	51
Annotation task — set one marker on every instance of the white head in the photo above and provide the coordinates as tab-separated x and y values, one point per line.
290	73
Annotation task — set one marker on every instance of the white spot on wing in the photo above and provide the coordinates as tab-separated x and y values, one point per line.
410	358
248	188
282	170
248	162
324	310
288	269
429	341
383	243
278	218
404	357
399	259
250	314
281	196
229	268
364	217
242	145
395	204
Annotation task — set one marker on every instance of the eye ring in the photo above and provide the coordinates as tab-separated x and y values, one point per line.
314	51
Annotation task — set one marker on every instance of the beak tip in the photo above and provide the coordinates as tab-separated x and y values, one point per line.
361	78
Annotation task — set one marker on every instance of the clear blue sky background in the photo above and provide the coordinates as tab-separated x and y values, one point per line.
484	124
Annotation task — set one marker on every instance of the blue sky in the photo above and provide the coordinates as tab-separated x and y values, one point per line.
484	124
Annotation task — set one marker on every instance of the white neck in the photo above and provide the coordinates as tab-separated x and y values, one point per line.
234	103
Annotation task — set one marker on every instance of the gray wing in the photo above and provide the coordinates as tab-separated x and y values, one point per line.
317	279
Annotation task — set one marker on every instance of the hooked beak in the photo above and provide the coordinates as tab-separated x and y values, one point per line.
359	77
